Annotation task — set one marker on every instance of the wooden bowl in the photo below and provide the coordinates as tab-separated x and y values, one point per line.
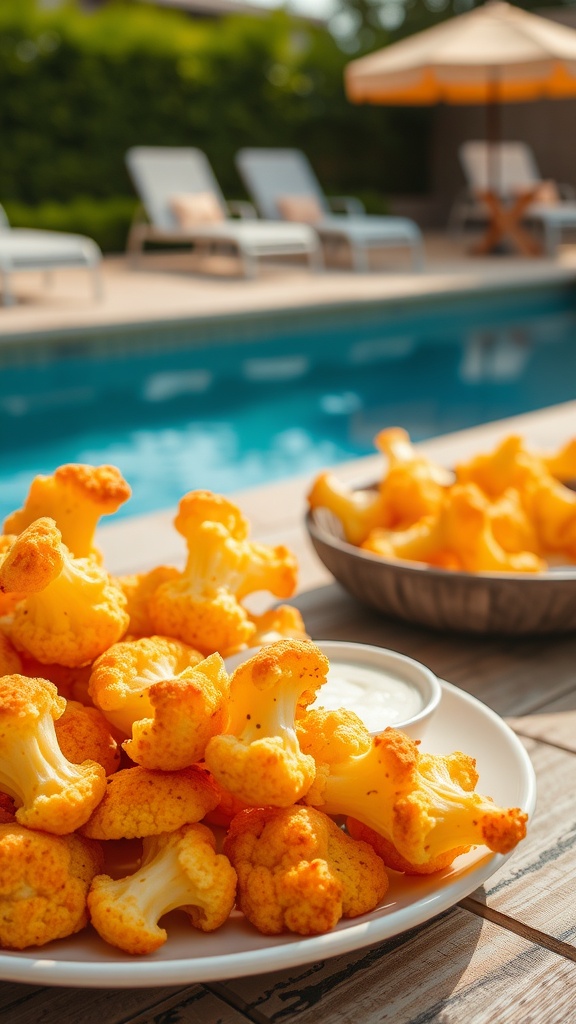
510	604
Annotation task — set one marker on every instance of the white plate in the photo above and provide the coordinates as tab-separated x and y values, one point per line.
460	723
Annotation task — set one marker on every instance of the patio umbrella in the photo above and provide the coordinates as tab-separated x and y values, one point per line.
494	54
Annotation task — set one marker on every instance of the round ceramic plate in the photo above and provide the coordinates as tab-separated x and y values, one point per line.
461	722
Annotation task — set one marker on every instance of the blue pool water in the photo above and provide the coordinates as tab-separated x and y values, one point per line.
240	402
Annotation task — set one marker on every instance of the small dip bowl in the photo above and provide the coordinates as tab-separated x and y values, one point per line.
383	687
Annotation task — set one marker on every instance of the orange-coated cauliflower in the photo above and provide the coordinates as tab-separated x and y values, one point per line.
332	736
179	870
8	601
7	809
138	589
44	882
203	606
72	610
50	792
278	623
462	535
297	871
359	511
83	734
413	485
75	496
71	683
139	802
164	696
10	661
423	804
258	759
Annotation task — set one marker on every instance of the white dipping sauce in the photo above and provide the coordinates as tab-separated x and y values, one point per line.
378	697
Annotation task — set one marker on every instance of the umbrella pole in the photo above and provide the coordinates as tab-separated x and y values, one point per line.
493	133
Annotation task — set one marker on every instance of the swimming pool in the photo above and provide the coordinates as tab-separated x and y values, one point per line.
237	402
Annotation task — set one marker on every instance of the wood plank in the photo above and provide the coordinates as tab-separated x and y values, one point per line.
555	725
536	885
22	1004
454	969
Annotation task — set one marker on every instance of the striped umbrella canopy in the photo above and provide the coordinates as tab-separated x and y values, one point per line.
496	52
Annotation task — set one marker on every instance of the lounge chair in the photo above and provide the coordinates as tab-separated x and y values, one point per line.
29	249
284	186
514	167
183	203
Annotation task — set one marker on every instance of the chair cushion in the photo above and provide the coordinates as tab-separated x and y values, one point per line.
304	209
193	208
548	193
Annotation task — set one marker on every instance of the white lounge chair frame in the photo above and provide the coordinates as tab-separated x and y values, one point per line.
29	249
269	174
516	170
159	173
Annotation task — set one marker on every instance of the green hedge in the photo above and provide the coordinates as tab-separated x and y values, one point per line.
76	90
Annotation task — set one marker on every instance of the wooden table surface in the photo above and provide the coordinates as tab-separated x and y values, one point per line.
503	954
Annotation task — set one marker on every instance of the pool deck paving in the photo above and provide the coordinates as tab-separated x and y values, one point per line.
168	289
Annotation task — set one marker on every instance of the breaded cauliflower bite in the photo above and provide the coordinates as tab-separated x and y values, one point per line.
424	805
83	734
164	696
258	758
203	605
298	871
139	802
10	661
180	869
75	496
72	610
44	882
138	589
50	792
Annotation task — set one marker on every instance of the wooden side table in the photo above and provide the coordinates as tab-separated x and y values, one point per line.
505	223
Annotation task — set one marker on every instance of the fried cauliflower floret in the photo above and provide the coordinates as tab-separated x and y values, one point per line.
72	610
425	805
139	802
7	809
358	510
179	870
138	589
50	792
561	463
44	882
461	535
552	509
83	734
332	736
8	601
297	871
258	759
508	465
279	623
71	683
469	532
392	859
121	678
413	486
75	496
202	606
10	661
164	696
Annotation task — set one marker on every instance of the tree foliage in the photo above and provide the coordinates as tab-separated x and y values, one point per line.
77	89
